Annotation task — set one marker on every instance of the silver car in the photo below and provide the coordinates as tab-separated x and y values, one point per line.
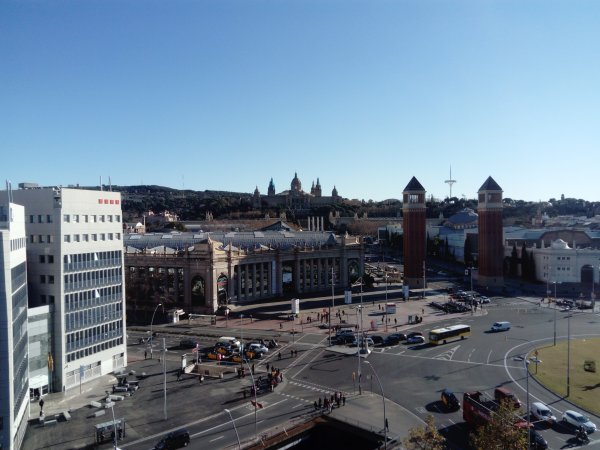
577	420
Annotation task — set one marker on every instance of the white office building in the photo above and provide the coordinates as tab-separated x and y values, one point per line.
75	266
14	376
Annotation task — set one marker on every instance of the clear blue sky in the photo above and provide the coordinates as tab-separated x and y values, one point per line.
227	94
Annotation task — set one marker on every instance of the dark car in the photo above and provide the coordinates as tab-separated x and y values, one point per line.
537	440
187	343
175	439
449	400
377	340
399	336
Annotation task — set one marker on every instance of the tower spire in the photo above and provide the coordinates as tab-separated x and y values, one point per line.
450	181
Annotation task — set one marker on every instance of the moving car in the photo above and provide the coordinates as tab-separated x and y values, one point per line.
536	440
541	412
577	420
175	439
504	394
416	339
500	326
449	400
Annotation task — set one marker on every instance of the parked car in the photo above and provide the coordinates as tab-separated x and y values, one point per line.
390	340
378	340
368	341
416	339
449	400
175	439
541	412
187	343
258	348
484	299
343	339
414	333
398	336
577	420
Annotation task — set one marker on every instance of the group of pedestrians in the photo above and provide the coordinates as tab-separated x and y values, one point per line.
327	403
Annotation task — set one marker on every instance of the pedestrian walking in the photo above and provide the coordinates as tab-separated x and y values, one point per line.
280	325
423	311
252	368
316	405
387	426
320	402
395	321
145	354
267	367
279	355
41	403
343	400
179	375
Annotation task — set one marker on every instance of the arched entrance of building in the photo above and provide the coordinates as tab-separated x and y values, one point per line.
353	271
222	289
587	278
287	278
198	291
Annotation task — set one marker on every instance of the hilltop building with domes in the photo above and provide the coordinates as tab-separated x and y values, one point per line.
295	198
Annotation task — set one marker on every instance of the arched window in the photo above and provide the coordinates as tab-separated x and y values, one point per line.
198	291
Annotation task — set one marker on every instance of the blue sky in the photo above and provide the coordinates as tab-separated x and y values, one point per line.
227	94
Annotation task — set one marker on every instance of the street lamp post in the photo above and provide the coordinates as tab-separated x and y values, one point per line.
151	335
235	428
569	354
112	409
255	398
165	377
554	313
383	399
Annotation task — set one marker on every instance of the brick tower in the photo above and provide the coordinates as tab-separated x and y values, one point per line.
490	238
414	238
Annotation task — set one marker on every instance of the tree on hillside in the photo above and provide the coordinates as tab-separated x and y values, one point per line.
514	261
500	432
426	437
524	262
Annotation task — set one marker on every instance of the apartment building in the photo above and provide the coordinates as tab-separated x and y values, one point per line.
14	377
75	267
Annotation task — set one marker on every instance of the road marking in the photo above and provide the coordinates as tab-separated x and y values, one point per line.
298	405
217	438
488	358
470	354
448	354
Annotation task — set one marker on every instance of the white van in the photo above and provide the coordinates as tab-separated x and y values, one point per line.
229	340
500	326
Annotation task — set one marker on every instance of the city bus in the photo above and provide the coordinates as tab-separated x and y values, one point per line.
447	334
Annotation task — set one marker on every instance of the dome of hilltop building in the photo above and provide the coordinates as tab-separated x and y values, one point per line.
295	198
466	218
559	244
296	184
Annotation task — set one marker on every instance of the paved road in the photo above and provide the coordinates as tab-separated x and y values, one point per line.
414	376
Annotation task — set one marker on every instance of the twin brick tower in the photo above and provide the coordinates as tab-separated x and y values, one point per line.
490	237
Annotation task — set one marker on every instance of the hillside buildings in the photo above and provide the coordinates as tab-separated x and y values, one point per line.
295	198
